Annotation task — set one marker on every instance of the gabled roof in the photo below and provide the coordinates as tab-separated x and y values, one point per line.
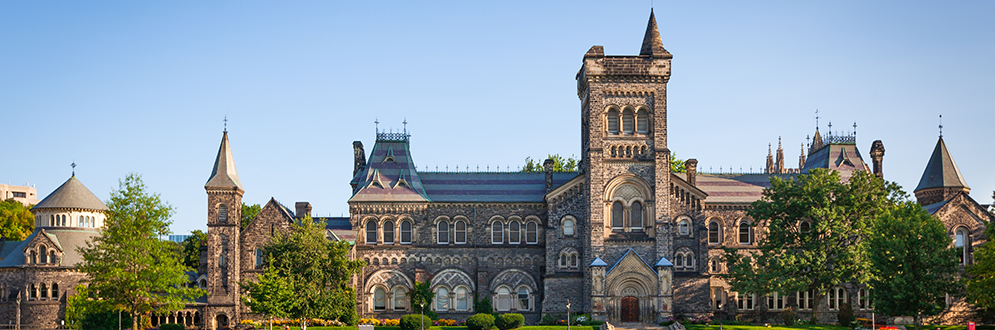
652	43
72	194
941	171
224	174
664	262
66	239
630	254
390	174
598	262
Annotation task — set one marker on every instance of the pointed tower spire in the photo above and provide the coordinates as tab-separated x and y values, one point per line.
779	166
770	161
652	43
941	179
224	174
816	142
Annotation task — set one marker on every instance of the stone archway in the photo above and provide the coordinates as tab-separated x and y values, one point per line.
630	309
220	321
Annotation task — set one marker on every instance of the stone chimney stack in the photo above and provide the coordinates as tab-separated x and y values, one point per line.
877	156
548	166
692	170
303	208
360	156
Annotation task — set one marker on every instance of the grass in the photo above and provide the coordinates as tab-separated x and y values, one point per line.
535	327
760	327
950	327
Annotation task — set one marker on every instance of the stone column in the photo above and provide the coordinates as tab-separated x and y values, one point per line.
598	290
665	291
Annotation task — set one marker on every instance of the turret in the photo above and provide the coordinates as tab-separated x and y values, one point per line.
942	179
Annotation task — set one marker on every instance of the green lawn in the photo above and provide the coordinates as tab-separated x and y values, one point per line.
951	327
760	327
536	327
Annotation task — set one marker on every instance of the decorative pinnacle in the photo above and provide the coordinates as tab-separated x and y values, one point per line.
941	125
74	168
854	128
816	118
226	123
376	121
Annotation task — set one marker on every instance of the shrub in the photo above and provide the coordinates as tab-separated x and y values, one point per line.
483	305
845	316
667	322
480	322
509	321
171	326
415	321
788	316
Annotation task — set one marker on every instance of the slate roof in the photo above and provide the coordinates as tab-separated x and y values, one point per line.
67	239
491	186
735	188
932	208
941	170
389	174
340	227
224	174
72	194
841	157
652	43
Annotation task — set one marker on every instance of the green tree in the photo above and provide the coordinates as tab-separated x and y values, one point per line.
249	212
16	220
420	295
831	251
914	265
191	248
980	281
85	311
677	165
560	164
128	266
308	274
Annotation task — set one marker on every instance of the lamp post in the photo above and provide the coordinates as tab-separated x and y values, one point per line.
568	314
421	311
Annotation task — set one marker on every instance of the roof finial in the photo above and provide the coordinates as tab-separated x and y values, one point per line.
74	168
405	126
941	125
377	122
816	119
830	127
226	124
854	129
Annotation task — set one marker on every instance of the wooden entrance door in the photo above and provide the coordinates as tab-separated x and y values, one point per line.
630	309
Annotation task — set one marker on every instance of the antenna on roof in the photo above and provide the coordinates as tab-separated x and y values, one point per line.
377	122
941	125
74	168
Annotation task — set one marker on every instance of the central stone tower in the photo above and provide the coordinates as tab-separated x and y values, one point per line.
224	214
627	167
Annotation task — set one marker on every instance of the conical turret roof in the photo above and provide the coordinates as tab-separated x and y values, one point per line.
652	43
224	174
941	171
72	194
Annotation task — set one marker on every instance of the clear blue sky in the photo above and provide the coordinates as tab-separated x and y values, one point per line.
143	87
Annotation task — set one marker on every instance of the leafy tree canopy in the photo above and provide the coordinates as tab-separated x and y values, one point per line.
249	212
676	164
191	248
422	295
128	266
914	265
560	164
16	220
981	274
306	276
831	251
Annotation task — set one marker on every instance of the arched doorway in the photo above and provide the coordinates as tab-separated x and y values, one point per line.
630	309
220	321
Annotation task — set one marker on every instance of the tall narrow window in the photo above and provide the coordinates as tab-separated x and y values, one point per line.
618	211
442	300
388	232
44	291
51	220
642	121
531	232
745	233
371	232
627	121
443	232
405	232
515	232
460	232
44	255
960	244
636	219
503	299
52	258
64	220
55	290
713	233
400	299
679	261
684	227
612	121
81	221
259	258
497	232
523	299
34	257
568	227
379	299
33	291
462	302
222	213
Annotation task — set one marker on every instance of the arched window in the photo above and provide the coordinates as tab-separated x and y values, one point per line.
745	233
568	258
81	222
55	291
503	299
514	232
804	227
443	233
960	244
523	299
689	260
715	265
618	211
202	284
573	260
222	213
405	232
497	232
636	218
51	220
442	300
462	299
44	255
531	232
642	121
612	121
400	299
33	294
568	227
371	232
44	291
34	257
63	220
627	121
52	258
388	232
460	232
713	233
259	258
684	227
679	260
379	299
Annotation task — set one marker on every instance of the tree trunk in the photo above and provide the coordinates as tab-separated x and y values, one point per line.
815	309
134	321
918	319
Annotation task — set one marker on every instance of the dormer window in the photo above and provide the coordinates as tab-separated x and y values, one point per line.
44	255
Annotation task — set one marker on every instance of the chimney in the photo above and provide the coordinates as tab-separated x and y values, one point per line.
360	156
877	156
548	166
304	208
692	170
